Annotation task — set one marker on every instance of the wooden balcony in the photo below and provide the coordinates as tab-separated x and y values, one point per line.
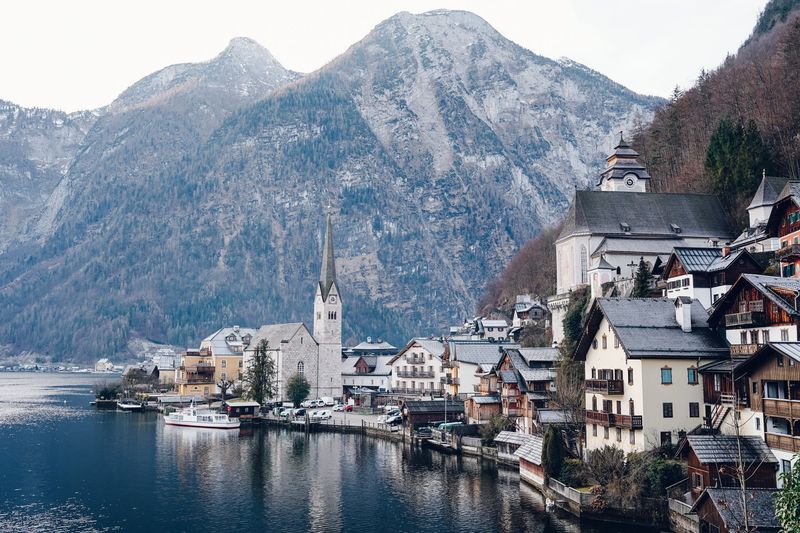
448	364
787	443
788	253
605	386
612	420
789	409
748	318
744	349
414	374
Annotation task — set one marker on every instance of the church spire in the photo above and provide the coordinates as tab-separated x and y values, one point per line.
327	276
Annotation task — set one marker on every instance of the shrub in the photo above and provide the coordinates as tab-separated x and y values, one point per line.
553	452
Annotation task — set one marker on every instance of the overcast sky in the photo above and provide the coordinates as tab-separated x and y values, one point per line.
80	54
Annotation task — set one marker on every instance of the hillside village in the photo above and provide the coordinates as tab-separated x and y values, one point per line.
670	335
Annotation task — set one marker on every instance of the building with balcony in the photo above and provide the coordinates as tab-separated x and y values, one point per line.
783	224
757	310
641	358
525	383
195	374
705	274
756	238
528	310
467	361
417	369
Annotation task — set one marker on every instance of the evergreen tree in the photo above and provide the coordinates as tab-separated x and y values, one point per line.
735	160
297	389
261	374
553	452
787	501
641	283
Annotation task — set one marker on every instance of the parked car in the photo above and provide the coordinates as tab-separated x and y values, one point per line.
318	403
393	412
425	432
329	401
394	419
382	419
338	408
321	415
299	413
390	407
285	413
348	408
306	404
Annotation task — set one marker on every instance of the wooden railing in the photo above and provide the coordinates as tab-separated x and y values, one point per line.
783	408
605	386
744	349
793	250
414	374
748	318
786	443
598	417
612	420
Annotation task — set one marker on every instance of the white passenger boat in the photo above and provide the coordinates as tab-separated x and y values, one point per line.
196	418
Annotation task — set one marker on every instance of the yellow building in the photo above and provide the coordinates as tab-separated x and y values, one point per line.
219	358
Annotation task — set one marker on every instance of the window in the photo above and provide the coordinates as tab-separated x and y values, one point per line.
594	344
694	410
632	437
619	434
742	337
667	408
594	373
786	466
605	433
301	367
697	480
594	430
755	387
630	407
619	407
240	364
319	315
630	376
717	382
758	423
594	403
788	271
666	438
754	337
223	376
784	335
584	263
616	341
605	342
779	359
692	372
224	363
666	376
765	336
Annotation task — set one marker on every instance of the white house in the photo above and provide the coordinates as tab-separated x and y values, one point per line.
417	368
641	368
103	365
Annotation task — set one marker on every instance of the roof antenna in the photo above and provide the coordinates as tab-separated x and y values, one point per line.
620	137
763	173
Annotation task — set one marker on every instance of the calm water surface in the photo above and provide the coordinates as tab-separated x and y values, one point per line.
66	467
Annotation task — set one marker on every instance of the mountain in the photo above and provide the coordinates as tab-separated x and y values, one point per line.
439	146
36	149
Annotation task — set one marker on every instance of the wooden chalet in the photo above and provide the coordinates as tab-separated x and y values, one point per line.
427	412
712	462
530	460
721	510
784	223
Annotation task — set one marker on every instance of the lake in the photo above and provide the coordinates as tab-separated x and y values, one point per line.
68	467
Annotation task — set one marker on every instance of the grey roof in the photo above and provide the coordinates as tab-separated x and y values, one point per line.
508	376
647	328
368	346
791	189
327	275
751	234
768	191
275	334
627	245
789	349
510	437
433	406
728	503
539	354
219	344
552	416
537	395
379	364
726	366
649	214
714	449
485	400
531	449
624	157
766	285
494	323
536	374
697	259
477	352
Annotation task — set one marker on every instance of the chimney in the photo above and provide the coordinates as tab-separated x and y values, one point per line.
683	313
726	250
236	329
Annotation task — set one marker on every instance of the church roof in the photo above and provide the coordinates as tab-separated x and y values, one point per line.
623	161
327	276
646	214
768	191
275	334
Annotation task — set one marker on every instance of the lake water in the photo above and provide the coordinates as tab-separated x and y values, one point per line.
66	467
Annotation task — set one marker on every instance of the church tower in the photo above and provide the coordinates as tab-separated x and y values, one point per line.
328	322
623	172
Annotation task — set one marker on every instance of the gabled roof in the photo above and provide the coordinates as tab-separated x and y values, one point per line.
769	190
433	346
523	370
485	400
790	194
552	416
531	449
724	449
433	406
790	350
539	354
510	437
648	329
219	344
275	334
766	285
477	352
648	214
729	506
706	260
726	366
368	346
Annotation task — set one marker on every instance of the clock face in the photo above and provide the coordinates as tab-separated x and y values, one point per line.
630	180
332	299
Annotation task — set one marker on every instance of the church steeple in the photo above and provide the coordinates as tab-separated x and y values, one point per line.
327	275
623	171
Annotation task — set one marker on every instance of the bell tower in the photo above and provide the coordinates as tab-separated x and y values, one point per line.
328	321
623	171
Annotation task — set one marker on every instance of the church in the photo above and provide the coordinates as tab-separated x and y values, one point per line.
607	231
317	355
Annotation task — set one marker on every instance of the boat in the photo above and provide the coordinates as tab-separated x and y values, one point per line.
196	418
129	404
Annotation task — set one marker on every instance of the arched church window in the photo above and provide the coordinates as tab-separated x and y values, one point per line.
301	367
584	264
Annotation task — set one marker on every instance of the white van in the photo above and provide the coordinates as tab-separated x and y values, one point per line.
328	401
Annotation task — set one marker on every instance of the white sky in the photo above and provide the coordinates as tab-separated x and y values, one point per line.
81	54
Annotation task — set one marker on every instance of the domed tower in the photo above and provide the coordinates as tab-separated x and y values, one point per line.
623	171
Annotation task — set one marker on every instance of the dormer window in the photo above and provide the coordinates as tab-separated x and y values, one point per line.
675	228
624	226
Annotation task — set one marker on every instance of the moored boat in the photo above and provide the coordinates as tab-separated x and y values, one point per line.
195	418
129	404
